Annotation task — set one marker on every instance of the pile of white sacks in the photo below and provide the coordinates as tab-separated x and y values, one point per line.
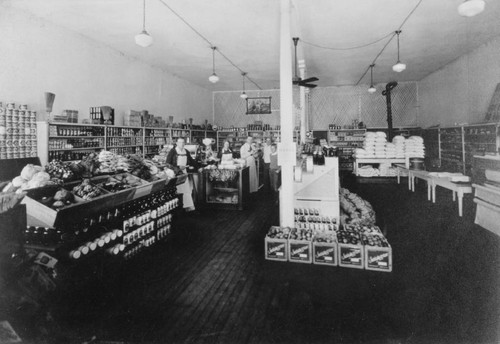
375	146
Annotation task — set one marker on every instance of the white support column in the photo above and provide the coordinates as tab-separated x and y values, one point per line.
303	119
286	149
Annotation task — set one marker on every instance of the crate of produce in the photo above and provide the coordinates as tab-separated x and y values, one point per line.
276	244
350	248
378	252
43	205
300	246
325	248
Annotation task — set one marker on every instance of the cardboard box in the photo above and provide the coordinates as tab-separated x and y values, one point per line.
325	253
276	249
351	256
378	258
299	251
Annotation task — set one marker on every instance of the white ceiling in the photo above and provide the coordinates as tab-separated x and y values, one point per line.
247	31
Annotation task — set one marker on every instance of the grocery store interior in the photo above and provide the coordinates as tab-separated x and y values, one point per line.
288	171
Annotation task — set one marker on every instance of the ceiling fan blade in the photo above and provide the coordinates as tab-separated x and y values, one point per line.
308	85
312	79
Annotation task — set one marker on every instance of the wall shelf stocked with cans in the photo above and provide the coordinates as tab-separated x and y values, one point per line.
68	141
457	145
18	133
346	140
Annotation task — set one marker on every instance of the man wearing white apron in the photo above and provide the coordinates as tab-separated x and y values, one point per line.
247	152
181	159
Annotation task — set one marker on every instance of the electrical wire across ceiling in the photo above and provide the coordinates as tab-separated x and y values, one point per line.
389	40
212	46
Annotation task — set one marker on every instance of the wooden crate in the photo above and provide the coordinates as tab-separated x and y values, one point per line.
378	258
299	251
325	253
351	256
276	249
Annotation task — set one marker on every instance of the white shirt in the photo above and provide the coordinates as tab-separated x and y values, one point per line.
245	151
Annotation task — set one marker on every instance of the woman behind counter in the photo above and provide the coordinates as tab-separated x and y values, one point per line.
181	159
225	154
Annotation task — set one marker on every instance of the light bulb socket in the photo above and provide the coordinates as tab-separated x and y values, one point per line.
470	8
213	78
143	39
243	95
399	67
372	89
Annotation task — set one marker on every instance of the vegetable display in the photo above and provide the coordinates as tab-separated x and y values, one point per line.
86	190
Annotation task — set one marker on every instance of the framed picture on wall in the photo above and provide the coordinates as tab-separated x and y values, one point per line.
258	105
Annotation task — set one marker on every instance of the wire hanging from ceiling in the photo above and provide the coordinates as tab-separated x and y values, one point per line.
390	39
350	48
210	43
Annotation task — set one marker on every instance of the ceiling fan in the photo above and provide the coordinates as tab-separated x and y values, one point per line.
296	79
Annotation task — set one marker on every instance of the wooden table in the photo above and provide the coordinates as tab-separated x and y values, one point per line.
458	189
412	174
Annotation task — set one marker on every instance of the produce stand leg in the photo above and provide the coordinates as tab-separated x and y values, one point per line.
409	180
433	192
399	179
454	195
428	190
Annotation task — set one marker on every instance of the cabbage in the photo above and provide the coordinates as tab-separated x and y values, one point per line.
18	181
41	177
170	173
29	171
33	184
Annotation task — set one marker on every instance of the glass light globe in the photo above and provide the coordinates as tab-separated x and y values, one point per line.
143	39
470	8
244	95
213	78
372	89
399	67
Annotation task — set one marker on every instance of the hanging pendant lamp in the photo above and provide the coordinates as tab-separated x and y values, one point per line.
398	67
372	89
144	39
213	78
470	8
243	95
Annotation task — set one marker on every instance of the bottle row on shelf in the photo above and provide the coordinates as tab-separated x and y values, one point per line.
75	143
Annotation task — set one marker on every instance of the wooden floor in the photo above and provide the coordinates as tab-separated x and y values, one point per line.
211	284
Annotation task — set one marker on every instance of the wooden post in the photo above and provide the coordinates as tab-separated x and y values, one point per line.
286	149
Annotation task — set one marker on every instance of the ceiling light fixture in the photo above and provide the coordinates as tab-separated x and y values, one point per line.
372	89
213	78
398	67
470	8
243	95
144	39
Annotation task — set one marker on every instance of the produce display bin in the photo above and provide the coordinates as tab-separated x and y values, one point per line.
378	258
351	256
276	249
325	253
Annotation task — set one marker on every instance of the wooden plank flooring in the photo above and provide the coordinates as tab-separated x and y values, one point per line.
211	283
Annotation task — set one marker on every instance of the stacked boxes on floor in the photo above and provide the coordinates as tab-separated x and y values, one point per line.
321	243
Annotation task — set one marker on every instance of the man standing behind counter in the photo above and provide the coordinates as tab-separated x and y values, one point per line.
180	159
267	161
247	152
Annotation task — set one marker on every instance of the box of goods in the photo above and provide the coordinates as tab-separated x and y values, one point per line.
300	245
43	205
134	119
325	248
276	243
351	251
139	186
378	252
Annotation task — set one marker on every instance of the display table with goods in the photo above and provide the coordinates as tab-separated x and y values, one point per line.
351	241
74	211
487	192
226	186
377	157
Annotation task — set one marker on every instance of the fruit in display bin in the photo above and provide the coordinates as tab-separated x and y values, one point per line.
376	240
348	236
87	167
86	190
301	234
59	170
278	232
325	237
355	209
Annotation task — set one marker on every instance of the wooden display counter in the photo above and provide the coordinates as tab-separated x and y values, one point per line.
226	188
